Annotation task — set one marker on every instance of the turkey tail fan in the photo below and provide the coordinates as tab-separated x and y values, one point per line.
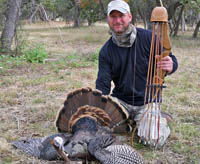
85	96
99	115
74	100
94	98
116	112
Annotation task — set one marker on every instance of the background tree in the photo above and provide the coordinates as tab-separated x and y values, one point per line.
197	27
2	13
92	10
195	5
12	15
77	8
143	9
102	6
184	12
178	20
65	10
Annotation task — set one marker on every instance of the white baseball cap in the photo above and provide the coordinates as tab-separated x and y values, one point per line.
118	5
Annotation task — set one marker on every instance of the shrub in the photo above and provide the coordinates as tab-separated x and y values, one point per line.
37	54
94	56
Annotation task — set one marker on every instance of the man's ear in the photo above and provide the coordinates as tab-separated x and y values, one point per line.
130	17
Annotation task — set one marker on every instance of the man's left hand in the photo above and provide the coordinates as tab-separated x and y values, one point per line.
166	64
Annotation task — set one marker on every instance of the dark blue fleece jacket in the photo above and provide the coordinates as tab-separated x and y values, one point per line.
117	64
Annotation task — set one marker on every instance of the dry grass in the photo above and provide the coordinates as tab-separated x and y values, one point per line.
31	94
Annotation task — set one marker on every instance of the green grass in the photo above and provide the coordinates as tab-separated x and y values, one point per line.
39	101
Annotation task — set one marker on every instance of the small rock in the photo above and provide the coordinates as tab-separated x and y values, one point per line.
4	145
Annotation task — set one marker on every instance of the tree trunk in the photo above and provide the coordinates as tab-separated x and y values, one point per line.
183	22
33	14
149	8
143	17
77	13
178	21
12	15
196	30
171	12
172	9
102	8
133	8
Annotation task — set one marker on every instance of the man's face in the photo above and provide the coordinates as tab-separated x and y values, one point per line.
118	21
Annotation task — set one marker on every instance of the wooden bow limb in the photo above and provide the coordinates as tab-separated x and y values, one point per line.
166	46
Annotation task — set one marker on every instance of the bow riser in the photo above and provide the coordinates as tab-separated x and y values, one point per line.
166	46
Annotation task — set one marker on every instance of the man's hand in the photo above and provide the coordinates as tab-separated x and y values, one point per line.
166	64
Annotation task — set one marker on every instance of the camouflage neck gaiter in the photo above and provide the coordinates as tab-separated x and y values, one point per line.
126	39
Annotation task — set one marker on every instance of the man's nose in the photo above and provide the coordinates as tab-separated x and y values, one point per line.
117	19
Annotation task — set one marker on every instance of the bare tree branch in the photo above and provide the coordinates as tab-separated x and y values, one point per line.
34	13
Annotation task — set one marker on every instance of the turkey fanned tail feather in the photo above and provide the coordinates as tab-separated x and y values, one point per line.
93	99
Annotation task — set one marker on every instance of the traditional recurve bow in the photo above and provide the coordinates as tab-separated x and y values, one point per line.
149	125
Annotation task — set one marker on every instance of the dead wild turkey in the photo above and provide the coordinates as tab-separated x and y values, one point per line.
85	123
